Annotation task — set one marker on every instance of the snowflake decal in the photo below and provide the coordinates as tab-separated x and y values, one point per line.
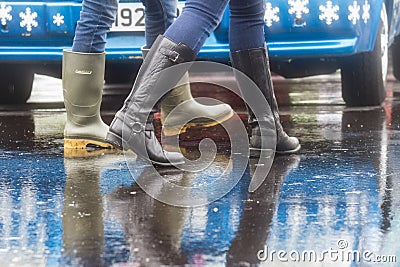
28	19
354	15
271	14
58	19
5	13
366	8
329	12
298	7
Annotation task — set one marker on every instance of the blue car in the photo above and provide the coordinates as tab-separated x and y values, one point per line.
304	38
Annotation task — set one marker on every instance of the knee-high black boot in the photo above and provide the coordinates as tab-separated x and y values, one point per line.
132	127
254	63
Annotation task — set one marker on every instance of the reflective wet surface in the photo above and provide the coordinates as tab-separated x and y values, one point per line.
336	203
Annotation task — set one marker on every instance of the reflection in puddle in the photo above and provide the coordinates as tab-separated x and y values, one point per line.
87	210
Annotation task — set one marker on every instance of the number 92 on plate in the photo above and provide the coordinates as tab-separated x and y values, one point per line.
130	18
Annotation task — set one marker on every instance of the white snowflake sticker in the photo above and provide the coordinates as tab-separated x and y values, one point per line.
329	12
271	14
28	19
354	15
5	13
298	7
366	9
58	19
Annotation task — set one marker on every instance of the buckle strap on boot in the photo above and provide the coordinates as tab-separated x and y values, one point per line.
177	53
136	127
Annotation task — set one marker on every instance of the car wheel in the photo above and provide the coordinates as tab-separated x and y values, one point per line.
364	74
15	84
396	57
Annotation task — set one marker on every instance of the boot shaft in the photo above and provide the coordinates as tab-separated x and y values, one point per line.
255	64
177	95
83	72
82	81
147	89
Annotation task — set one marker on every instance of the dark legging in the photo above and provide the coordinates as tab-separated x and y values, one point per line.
200	17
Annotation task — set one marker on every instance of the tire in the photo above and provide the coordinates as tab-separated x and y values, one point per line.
15	84
364	75
396	57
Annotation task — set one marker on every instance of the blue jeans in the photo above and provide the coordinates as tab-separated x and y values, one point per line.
200	17
97	17
159	15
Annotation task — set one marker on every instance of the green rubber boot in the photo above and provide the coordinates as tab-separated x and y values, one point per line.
82	81
205	116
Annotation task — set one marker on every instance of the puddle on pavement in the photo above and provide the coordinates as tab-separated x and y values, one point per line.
341	193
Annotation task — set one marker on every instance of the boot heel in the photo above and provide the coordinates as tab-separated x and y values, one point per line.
115	140
85	143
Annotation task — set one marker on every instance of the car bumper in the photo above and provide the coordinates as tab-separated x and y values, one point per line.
287	37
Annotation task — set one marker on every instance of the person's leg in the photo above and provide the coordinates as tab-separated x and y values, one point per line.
189	108
96	19
132	126
83	76
246	29
160	14
249	55
82	81
197	21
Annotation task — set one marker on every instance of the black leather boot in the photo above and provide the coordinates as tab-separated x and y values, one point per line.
132	127
254	63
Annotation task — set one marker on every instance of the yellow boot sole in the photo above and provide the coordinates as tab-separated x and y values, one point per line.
80	148
85	143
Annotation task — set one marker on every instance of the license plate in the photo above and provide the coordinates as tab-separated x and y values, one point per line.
130	17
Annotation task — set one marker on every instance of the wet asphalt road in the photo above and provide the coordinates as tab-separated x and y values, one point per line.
339	196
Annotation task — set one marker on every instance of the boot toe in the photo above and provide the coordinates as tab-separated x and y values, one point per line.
288	146
215	114
225	112
221	109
